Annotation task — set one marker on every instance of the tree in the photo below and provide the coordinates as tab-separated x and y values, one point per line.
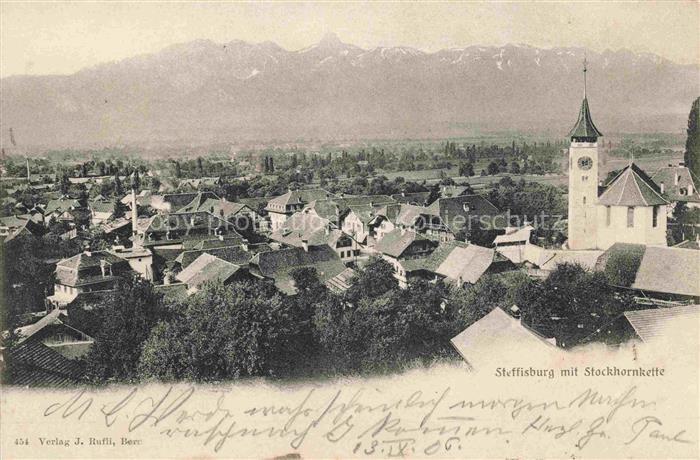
692	143
127	317
223	332
572	304
386	332
373	280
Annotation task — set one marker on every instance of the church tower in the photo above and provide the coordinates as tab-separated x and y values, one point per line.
583	178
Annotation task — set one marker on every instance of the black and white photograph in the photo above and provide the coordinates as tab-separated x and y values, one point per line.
301	230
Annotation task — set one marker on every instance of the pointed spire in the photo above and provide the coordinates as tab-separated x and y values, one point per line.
585	130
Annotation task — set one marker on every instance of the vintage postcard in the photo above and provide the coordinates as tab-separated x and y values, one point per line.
310	230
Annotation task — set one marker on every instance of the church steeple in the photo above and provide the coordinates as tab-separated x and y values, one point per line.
585	130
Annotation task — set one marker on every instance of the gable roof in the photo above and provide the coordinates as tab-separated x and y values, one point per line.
233	254
61	205
668	175
467	264
36	365
397	241
417	198
653	324
294	197
71	271
584	127
632	187
669	270
206	268
499	338
465	206
278	265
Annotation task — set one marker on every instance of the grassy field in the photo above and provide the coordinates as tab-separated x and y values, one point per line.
432	176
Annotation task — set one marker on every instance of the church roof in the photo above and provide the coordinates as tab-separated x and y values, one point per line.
632	187
584	127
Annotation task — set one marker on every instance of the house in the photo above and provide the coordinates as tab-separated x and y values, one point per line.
143	199
87	272
208	268
414	198
400	245
54	331
656	325
173	202
466	265
449	191
14	226
282	207
60	210
660	273
514	244
463	212
678	185
140	259
424	220
499	340
455	263
241	215
100	211
277	266
37	365
306	228
170	230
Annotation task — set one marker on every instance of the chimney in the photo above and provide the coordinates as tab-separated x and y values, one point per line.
103	266
28	175
134	212
305	244
662	187
403	230
675	178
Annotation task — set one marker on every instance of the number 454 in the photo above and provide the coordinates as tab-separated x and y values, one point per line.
21	441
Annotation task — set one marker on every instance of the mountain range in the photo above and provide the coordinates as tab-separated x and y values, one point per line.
207	92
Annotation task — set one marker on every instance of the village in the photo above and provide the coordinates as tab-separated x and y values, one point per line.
182	239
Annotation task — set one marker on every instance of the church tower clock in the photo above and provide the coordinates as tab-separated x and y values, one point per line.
583	178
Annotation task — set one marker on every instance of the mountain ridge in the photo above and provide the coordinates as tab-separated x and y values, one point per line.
203	91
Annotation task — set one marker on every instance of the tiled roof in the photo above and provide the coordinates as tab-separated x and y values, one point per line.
206	268
233	254
467	264
61	205
653	324
584	128
72	271
515	236
397	241
36	365
632	187
434	260
277	265
300	197
669	270
686	181
464	206
340	282
417	198
101	206
499	339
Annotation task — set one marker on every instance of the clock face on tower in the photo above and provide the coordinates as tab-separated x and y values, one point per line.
585	163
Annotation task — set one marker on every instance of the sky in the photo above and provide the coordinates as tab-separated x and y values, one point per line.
64	37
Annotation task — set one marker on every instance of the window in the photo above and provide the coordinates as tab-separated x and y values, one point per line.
584	178
584	200
608	210
630	217
655	216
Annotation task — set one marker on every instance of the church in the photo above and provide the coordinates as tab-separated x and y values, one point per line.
631	209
